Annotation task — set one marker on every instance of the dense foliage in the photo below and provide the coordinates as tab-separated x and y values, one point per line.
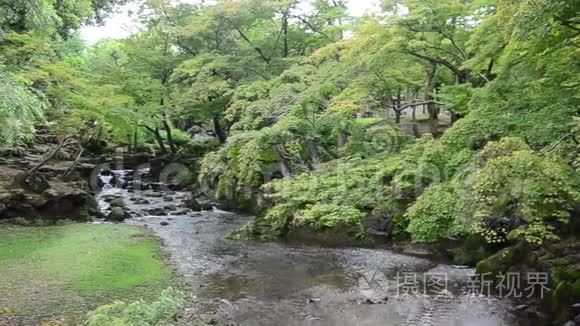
446	118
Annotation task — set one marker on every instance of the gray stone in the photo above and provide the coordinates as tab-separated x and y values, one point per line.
117	214
5	197
35	200
117	202
156	212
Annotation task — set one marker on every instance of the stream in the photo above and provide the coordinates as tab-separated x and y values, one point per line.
254	283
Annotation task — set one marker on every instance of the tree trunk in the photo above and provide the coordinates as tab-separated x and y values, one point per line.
158	138
416	131
314	153
285	34
219	132
170	141
42	163
431	106
397	116
414	114
129	143
283	161
342	138
76	162
135	135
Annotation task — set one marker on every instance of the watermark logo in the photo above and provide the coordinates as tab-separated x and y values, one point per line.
375	285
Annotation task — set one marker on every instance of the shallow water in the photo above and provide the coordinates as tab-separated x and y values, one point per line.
246	283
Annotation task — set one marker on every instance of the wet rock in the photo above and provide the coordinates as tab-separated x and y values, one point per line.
168	199
576	308
34	182
2	208
197	205
109	198
577	319
170	208
106	172
379	225
117	214
164	223
67	202
142	201
35	200
156	212
184	212
193	204
117	202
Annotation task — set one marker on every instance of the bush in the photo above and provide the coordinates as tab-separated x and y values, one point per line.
431	216
139	313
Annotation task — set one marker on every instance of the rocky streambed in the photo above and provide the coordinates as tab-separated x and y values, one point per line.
246	283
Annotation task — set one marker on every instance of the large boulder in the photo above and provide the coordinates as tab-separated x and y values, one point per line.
68	202
34	182
197	205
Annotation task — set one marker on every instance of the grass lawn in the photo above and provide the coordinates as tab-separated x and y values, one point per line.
62	272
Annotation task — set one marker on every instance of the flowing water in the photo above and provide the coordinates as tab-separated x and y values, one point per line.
246	283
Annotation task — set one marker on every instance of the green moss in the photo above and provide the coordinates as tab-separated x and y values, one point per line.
499	262
67	270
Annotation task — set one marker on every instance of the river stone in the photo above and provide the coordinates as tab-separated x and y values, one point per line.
164	224
577	319
156	212
576	308
142	201
168	198
117	214
2	208
117	202
193	204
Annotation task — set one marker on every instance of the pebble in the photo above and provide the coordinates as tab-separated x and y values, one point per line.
164	224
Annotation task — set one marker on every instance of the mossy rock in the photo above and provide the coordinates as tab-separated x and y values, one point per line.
564	295
473	250
499	262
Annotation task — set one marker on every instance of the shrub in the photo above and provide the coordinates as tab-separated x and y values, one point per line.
139	313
